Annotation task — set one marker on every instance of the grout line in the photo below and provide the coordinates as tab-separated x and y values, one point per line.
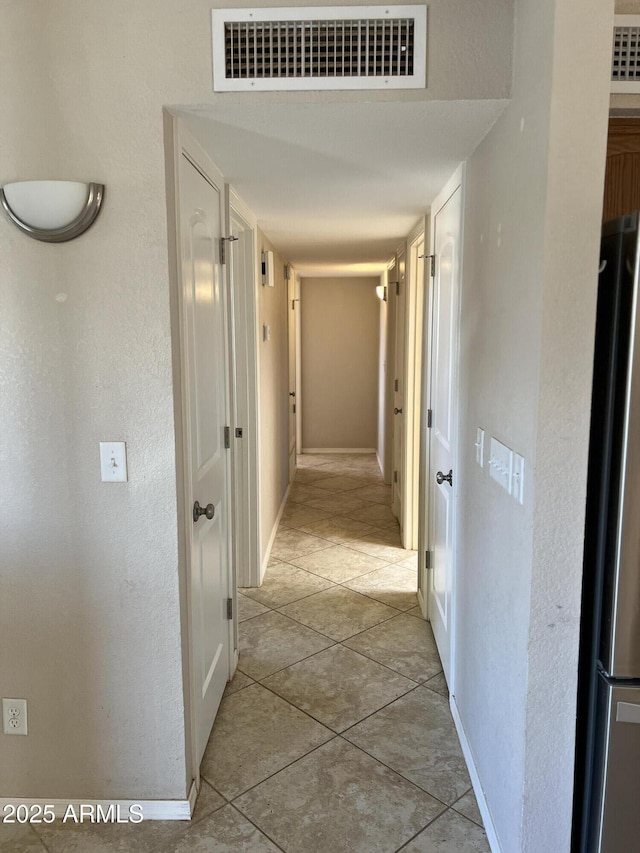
261	831
433	820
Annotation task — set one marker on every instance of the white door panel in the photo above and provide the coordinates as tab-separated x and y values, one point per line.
399	395
447	219
205	352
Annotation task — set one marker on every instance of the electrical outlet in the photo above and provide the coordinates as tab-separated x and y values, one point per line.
14	716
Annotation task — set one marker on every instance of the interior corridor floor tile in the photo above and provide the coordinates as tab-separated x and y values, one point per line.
338	484
450	833
272	641
208	802
338	563
149	836
467	805
19	838
255	735
238	682
338	687
339	503
383	544
297	515
309	475
226	831
248	608
338	612
302	493
392	585
339	528
285	583
377	494
438	684
375	514
338	799
404	644
416	736
293	543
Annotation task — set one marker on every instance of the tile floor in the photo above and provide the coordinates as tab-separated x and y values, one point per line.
335	733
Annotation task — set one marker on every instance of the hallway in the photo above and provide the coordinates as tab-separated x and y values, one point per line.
335	734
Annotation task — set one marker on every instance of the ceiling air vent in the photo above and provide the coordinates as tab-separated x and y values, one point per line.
625	61
334	47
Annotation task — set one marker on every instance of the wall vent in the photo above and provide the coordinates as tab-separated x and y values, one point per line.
334	47
625	59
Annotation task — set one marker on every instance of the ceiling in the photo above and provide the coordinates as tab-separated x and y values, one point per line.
336	186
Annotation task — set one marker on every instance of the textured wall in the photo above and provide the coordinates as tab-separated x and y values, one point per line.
340	322
89	603
528	306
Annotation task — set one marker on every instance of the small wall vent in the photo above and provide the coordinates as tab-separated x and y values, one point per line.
625	60
347	47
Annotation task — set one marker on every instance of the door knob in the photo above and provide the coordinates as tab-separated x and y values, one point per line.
209	510
292	393
397	411
440	477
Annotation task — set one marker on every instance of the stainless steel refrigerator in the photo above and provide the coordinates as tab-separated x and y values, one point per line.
607	805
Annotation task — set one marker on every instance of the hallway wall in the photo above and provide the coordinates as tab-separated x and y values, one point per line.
528	314
274	396
340	328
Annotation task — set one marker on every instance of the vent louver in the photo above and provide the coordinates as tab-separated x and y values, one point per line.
625	60
360	47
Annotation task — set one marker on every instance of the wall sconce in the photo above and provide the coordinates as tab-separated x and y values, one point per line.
52	211
381	292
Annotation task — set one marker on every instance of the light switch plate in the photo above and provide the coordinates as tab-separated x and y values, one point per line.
479	445
266	332
113	461
500	462
517	478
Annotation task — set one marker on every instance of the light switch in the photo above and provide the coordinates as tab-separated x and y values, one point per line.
500	462
113	461
517	478
479	445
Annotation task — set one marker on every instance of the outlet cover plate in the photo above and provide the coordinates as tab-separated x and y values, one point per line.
500	463
14	716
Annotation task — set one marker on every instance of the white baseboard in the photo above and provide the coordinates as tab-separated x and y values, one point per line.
339	450
422	602
267	555
492	836
150	809
193	794
380	465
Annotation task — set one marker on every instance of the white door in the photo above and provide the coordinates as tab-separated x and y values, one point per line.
399	390
291	336
205	377
447	212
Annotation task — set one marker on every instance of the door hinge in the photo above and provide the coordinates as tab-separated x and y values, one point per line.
395	476
432	259
427	559
223	253
238	432
229	608
429	418
294	408
397	288
396	385
227	437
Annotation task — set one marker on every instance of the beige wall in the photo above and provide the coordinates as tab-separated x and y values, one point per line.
532	234
340	320
274	396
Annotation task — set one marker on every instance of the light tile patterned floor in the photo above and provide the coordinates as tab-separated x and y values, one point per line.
335	733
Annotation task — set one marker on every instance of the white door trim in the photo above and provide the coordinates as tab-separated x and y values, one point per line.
179	142
456	180
246	480
415	289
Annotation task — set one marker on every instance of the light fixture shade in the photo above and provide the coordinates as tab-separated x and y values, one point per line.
52	211
381	292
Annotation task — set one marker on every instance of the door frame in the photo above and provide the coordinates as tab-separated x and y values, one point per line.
426	472
179	142
246	408
416	278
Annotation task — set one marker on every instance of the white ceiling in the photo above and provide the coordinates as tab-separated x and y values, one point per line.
336	186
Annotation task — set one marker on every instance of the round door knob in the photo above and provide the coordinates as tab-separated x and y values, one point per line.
397	411
292	393
209	510
440	477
